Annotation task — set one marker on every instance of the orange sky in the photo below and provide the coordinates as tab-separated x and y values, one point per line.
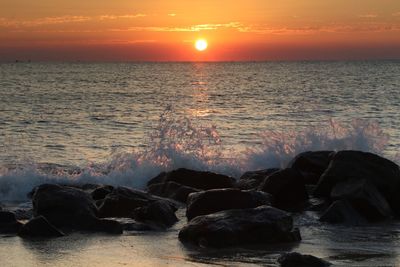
156	30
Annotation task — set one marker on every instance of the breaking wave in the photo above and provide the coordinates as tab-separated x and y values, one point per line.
178	142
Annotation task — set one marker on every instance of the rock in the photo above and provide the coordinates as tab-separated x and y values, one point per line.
101	192
345	165
287	187
311	164
72	208
295	259
8	223
39	227
158	213
195	179
172	190
210	201
364	197
341	211
252	179
122	201
240	227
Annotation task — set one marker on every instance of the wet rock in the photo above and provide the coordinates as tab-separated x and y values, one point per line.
39	227
295	259
158	213
287	187
311	164
252	179
352	165
67	207
195	179
122	201
172	190
8	223
341	211
364	197
101	192
240	227
215	200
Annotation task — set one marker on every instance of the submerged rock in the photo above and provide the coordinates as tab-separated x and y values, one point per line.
67	207
295	259
8	223
195	179
240	227
311	164
287	187
341	211
215	200
158	213
39	227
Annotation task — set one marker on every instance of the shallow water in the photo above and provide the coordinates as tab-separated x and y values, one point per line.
374	245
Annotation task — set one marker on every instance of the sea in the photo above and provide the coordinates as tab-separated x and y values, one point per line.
123	123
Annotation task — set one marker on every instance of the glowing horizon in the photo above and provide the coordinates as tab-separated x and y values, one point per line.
254	30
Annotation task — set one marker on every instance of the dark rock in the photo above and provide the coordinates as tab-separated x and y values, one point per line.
122	201
172	190
346	165
240	227
341	211
101	192
196	179
158	213
364	197
295	259
206	202
259	175
311	164
8	223
67	207
39	227
287	187
23	214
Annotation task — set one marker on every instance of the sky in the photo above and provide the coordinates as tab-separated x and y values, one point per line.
156	30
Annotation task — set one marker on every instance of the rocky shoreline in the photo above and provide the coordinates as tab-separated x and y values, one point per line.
347	187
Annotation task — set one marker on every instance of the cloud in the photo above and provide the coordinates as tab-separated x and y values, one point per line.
14	23
396	14
192	28
172	14
368	16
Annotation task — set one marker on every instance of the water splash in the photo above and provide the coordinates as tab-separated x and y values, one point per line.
178	142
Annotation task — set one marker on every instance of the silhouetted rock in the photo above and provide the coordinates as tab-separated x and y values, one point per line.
252	179
287	187
341	211
240	227
210	201
295	259
364	197
8	223
39	227
72	208
196	179
172	190
311	164
352	165
122	201
101	192
158	213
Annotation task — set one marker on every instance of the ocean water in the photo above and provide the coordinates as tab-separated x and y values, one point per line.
123	123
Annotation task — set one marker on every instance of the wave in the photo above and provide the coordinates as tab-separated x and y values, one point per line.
178	142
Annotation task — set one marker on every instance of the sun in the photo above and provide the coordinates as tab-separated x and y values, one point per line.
201	44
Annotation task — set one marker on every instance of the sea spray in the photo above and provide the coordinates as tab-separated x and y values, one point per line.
179	142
